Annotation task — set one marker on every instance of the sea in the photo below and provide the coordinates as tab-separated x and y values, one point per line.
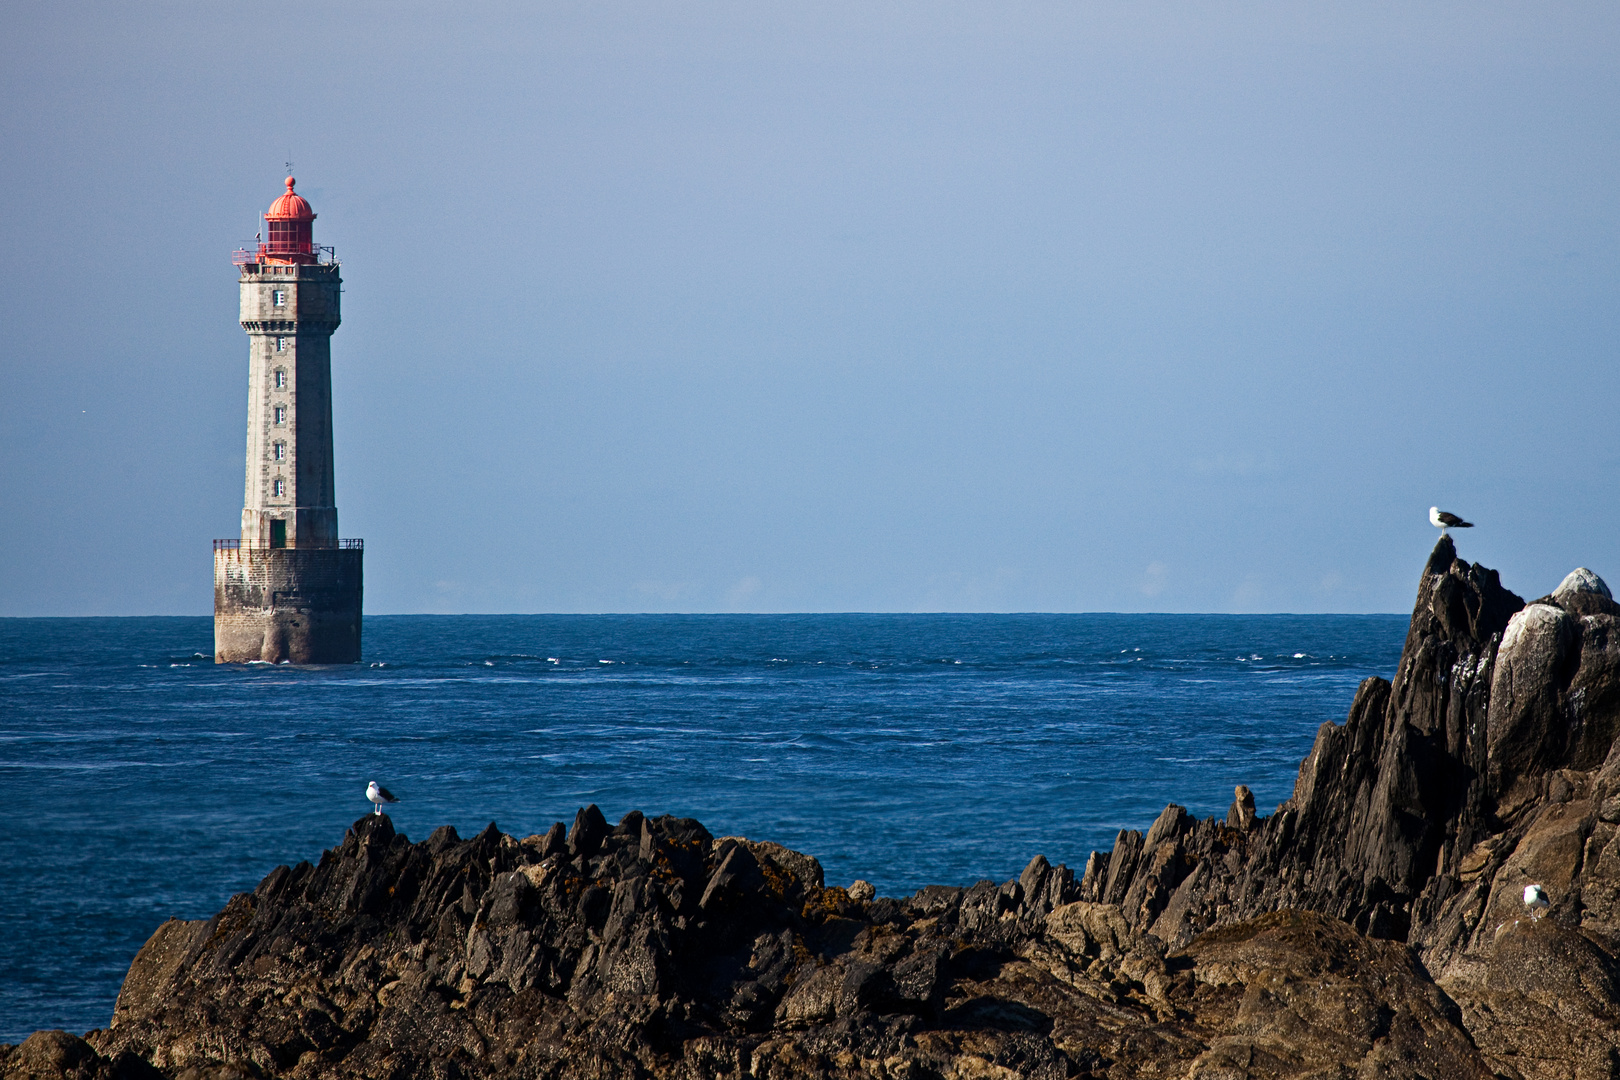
139	781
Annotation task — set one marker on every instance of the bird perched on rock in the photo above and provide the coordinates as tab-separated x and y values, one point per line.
1441	520
379	795
1536	901
1241	815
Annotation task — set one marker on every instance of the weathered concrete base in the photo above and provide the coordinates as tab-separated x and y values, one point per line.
296	604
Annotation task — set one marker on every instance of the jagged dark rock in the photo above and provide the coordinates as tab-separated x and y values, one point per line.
1490	762
1377	803
670	953
1371	926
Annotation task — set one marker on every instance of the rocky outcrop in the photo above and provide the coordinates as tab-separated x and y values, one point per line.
1372	926
1381	801
55	1055
1489	763
650	949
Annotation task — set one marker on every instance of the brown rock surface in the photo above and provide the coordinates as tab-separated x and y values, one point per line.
668	953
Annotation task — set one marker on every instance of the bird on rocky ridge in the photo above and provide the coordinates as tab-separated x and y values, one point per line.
1536	900
379	795
1442	520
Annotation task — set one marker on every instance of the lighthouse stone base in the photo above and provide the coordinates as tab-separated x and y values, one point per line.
296	604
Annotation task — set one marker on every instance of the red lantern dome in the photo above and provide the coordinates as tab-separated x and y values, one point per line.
291	235
290	207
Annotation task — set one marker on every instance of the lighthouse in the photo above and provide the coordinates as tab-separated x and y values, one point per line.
288	588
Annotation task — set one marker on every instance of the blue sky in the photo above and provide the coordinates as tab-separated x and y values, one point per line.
787	307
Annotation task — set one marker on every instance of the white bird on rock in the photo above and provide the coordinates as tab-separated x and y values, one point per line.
1536	900
379	795
1441	520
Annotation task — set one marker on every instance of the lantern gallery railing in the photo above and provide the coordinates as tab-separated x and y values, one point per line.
324	255
234	544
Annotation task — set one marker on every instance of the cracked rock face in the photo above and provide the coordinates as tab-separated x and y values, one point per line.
1372	926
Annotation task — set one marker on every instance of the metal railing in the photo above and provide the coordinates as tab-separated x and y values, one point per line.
324	254
235	544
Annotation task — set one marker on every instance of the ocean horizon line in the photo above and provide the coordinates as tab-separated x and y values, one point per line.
784	614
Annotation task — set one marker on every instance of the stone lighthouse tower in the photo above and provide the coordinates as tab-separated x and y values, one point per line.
288	588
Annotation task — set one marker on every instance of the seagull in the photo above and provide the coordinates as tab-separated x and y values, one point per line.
380	795
1443	521
1536	901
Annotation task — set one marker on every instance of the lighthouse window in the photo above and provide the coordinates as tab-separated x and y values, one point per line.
281	414
278	487
279	451
281	344
279	298
280	379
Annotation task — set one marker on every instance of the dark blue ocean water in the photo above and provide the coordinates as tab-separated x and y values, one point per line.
141	781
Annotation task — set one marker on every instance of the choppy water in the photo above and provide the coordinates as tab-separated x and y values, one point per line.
141	781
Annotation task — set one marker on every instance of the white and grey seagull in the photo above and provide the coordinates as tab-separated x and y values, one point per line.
1536	901
1442	520
379	795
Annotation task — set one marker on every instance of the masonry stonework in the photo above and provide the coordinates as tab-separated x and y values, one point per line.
296	604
